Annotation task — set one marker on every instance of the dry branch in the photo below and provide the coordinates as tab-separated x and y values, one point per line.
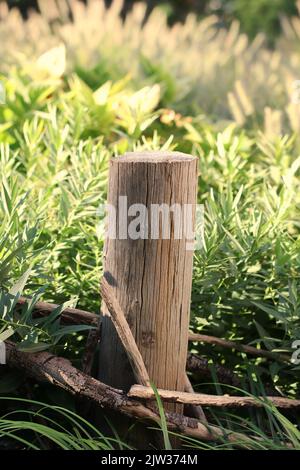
196	411
201	366
69	315
124	332
201	369
44	366
238	347
146	393
77	316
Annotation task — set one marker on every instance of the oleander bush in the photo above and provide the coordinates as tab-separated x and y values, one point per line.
79	90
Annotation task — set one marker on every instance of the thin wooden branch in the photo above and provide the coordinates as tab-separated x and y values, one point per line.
196	410
201	369
58	371
238	347
69	315
124	332
195	363
199	365
74	315
146	393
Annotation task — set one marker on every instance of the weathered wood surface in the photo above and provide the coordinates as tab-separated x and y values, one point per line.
77	316
151	278
172	396
124	334
59	371
68	315
225	343
195	410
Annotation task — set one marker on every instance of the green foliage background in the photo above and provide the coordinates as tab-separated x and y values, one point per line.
81	91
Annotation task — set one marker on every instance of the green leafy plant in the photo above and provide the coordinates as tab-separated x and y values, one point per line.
32	334
39	426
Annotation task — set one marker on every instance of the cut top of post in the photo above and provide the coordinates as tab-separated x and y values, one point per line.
154	157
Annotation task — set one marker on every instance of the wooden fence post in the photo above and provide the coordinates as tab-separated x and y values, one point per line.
150	269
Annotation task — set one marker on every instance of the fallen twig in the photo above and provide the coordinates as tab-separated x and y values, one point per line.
201	366
69	315
146	393
44	366
196	410
73	315
125	334
238	347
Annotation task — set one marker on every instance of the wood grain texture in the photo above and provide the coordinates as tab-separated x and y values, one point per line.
46	367
196	411
68	315
76	316
151	278
146	393
225	343
124	333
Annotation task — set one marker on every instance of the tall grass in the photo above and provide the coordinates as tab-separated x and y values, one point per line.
40	426
202	67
